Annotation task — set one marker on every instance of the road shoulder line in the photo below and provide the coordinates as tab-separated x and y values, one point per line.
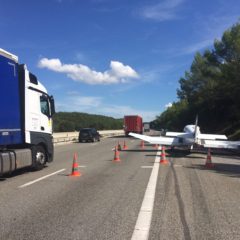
142	227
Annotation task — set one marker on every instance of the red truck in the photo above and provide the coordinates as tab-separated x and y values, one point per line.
133	123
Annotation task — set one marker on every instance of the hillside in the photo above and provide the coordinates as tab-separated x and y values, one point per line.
74	121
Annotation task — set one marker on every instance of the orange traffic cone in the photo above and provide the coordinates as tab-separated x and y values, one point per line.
75	171
163	157
124	146
209	163
142	144
119	146
116	155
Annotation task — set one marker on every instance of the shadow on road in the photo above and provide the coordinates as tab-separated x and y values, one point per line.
140	150
153	155
231	156
17	173
231	170
122	136
177	153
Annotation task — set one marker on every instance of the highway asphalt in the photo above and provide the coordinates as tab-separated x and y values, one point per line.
191	202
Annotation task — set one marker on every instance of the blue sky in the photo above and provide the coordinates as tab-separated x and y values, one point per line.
112	57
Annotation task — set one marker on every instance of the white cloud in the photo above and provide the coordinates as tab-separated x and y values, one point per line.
196	47
80	57
168	105
118	72
79	103
213	27
163	11
95	105
157	73
87	101
120	111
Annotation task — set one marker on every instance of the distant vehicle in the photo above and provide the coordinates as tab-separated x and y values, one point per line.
25	117
89	134
133	123
146	127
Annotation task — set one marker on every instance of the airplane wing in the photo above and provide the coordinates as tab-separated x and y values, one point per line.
168	141
175	134
179	135
222	144
211	136
140	136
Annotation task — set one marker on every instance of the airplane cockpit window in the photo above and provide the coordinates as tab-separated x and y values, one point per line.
180	140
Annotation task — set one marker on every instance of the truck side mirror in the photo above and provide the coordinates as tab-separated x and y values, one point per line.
52	105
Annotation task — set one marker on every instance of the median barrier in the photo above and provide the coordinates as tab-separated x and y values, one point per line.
66	137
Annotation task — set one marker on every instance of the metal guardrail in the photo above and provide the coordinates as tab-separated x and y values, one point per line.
64	137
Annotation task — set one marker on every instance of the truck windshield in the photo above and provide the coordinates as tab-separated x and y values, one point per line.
44	105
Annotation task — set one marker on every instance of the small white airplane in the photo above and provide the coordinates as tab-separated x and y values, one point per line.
190	136
222	144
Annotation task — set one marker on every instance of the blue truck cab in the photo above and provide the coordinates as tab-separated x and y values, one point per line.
26	112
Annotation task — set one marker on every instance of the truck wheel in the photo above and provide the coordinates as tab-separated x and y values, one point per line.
39	157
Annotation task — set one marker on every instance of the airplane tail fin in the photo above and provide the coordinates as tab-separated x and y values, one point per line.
195	130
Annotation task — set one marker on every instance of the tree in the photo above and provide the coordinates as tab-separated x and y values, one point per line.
211	88
74	121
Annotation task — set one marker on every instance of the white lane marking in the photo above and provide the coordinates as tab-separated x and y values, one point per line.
39	179
82	166
146	166
142	227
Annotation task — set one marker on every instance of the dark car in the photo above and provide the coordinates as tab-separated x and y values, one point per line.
88	134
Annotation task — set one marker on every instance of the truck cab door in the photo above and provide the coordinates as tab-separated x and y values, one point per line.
46	121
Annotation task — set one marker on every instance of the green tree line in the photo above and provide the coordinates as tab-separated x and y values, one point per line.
74	121
210	89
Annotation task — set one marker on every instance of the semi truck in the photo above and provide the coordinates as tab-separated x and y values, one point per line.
26	112
146	127
133	123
